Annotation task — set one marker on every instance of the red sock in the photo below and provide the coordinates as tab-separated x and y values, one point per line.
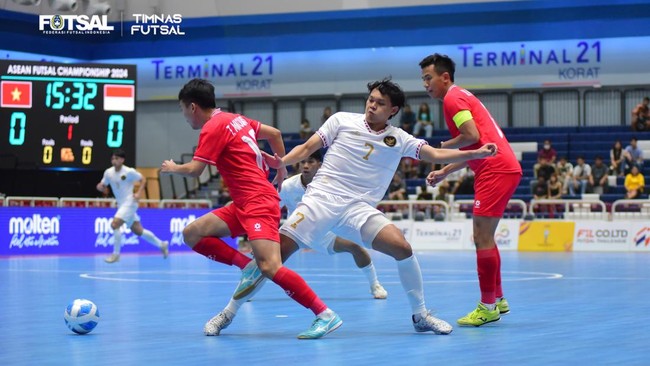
217	250
498	291
297	289
487	263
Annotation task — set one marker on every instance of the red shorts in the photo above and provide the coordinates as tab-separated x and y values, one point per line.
259	219
492	191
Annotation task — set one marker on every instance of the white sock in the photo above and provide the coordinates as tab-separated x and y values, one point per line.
370	273
326	314
151	238
490	306
117	241
411	277
233	305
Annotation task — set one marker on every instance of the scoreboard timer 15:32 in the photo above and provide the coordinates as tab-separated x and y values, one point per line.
60	116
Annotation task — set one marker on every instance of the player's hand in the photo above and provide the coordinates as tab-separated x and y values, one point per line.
280	177
168	166
487	150
274	161
436	177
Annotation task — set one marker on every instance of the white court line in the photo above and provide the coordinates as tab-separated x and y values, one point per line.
106	276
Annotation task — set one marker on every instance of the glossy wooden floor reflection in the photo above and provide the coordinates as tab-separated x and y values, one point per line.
567	308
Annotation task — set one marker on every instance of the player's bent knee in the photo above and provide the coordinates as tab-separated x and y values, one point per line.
191	236
268	268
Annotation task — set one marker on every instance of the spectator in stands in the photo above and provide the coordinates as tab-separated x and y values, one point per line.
617	159
564	171
633	156
424	121
409	167
452	179
465	183
397	188
540	191
327	113
424	194
545	169
305	129
634	183
546	152
641	116
580	177
408	119
554	187
598	176
224	195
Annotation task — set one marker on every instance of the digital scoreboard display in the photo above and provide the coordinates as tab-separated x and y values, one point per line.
60	116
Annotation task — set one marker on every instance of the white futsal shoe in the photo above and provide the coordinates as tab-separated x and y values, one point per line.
378	291
112	259
164	248
219	322
430	323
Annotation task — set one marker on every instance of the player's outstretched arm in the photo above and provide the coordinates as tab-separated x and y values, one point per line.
193	168
437	156
298	153
274	137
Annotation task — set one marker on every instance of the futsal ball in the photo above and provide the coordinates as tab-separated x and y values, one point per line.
81	316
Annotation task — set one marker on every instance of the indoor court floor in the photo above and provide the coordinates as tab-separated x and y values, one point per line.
567	308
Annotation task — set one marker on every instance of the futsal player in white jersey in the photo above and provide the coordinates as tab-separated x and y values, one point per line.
122	180
291	194
364	153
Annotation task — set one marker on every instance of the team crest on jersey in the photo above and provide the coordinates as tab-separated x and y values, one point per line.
390	141
123	177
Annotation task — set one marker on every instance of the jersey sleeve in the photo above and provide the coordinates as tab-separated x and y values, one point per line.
458	108
329	130
133	176
210	145
411	146
255	125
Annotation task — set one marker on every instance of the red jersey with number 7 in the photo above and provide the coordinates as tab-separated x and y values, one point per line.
229	142
459	106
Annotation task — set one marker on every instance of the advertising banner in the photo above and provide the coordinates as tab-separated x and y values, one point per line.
74	231
546	236
440	235
603	236
506	235
640	236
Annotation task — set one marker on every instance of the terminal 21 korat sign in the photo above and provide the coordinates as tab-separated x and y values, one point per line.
75	231
506	65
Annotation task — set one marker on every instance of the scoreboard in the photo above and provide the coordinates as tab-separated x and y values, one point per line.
60	116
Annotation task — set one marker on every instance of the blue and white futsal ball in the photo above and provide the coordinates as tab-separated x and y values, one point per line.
81	316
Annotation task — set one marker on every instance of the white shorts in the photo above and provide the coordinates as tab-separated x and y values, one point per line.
319	218
128	214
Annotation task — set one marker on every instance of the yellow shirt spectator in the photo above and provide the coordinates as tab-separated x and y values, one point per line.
634	181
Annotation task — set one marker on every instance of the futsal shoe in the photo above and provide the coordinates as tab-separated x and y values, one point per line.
164	248
430	323
113	258
479	316
251	276
378	291
218	323
503	306
321	327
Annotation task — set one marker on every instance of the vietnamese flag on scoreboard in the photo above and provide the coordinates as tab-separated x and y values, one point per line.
119	97
16	94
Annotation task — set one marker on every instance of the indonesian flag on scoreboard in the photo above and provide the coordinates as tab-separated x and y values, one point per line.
119	97
16	94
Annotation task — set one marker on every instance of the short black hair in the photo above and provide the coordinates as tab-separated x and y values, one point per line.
119	153
441	63
199	92
392	90
316	155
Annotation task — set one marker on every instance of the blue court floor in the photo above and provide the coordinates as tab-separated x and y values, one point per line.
567	309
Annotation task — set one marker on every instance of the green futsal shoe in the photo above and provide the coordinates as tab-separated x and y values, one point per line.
479	316
503	306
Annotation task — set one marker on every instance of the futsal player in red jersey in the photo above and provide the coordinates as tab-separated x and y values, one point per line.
496	178
229	141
